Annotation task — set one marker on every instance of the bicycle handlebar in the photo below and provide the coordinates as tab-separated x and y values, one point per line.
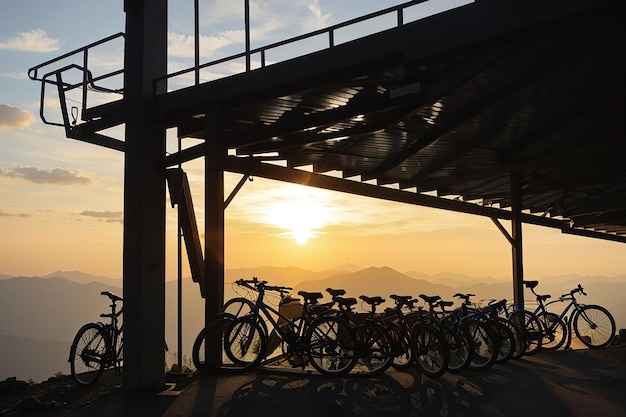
256	284
574	291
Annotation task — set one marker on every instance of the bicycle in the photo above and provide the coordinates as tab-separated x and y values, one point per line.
374	348
476	346
592	324
324	341
98	346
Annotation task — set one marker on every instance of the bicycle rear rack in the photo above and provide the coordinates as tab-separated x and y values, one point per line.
81	121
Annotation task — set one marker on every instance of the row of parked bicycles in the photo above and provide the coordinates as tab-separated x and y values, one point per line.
268	325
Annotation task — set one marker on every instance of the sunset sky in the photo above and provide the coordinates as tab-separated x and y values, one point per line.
61	201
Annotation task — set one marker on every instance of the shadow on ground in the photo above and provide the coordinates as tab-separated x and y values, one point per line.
554	384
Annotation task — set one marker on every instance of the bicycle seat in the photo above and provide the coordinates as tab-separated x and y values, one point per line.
112	296
446	303
543	297
372	300
465	297
335	292
346	302
531	284
310	297
430	299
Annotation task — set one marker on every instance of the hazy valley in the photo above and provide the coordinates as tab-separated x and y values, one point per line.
42	314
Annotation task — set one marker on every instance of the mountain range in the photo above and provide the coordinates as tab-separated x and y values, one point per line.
42	314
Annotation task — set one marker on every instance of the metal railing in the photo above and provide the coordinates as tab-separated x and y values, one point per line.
88	81
262	51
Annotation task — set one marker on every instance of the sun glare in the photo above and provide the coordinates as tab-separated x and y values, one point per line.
300	214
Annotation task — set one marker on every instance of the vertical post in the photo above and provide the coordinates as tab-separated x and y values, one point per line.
196	42
214	228
145	59
516	234
246	13
179	247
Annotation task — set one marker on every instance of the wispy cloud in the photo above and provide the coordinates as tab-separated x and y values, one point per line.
181	45
317	19
59	176
14	118
108	216
15	75
36	40
4	214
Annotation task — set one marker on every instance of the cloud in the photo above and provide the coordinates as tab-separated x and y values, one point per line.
14	118
36	40
59	176
3	214
108	216
15	75
181	45
318	19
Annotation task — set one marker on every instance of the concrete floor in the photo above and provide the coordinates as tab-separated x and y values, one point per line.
555	384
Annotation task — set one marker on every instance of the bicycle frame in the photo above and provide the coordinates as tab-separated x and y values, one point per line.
263	312
113	334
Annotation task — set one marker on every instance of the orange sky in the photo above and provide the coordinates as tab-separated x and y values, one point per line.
56	232
61	201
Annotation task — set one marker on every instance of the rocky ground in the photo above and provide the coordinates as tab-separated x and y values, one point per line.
60	396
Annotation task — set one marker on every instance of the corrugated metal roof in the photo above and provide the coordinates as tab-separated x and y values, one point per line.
450	105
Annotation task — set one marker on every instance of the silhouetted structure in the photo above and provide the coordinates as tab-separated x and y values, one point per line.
511	110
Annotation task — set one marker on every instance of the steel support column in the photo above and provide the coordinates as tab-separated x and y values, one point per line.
145	59
516	235
214	226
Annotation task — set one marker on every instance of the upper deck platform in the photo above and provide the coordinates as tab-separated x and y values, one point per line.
441	111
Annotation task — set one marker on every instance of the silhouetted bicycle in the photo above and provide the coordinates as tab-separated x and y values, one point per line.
98	346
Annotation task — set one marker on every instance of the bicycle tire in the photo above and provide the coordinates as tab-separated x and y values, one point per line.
220	362
532	329
375	349
403	355
519	338
431	351
331	346
244	342
506	340
238	306
483	342
596	328
554	331
460	352
87	354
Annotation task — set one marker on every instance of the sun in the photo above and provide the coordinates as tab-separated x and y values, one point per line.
301	214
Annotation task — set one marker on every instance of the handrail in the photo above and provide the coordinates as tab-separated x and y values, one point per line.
32	72
399	9
80	58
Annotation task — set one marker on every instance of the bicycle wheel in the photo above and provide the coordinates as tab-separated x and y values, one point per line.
119	359
218	360
374	349
431	351
87	354
531	327
460	352
505	340
238	306
483	343
554	331
331	346
244	342
519	339
403	355
594	326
